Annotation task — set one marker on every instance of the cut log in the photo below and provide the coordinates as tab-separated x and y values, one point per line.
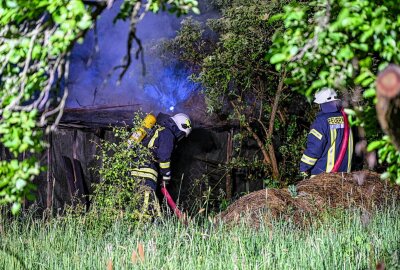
388	105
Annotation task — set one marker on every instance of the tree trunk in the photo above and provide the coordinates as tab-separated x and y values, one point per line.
271	147
388	105
261	145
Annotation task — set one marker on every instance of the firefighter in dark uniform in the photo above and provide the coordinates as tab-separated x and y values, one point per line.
325	137
161	143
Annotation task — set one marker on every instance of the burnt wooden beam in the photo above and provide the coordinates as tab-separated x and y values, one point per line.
50	184
97	108
215	163
70	176
388	104
82	188
229	153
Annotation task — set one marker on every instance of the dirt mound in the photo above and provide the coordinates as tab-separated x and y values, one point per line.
363	189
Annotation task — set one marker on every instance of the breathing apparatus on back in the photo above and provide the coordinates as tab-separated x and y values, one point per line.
147	124
180	120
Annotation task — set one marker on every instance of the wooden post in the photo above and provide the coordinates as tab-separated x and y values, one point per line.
388	105
229	152
49	197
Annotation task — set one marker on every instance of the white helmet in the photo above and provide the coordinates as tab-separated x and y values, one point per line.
325	95
183	123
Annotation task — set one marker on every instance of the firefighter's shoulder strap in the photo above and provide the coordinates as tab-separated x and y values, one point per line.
155	132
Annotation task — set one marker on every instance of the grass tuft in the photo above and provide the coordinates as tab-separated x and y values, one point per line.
341	241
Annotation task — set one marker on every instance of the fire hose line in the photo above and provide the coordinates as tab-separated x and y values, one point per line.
171	203
345	141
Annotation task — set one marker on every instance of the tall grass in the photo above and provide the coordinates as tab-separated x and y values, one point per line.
349	240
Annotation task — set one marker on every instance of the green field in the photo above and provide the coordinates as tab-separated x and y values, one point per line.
350	240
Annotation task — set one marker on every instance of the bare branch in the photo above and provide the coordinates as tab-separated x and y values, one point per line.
64	98
136	17
24	74
64	65
275	106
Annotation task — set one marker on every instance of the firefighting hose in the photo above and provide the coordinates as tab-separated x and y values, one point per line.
343	148
171	203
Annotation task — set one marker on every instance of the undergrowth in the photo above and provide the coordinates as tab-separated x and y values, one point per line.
349	240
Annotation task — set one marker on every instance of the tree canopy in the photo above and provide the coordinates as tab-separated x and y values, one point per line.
227	56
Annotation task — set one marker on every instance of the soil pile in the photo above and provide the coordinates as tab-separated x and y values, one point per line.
362	189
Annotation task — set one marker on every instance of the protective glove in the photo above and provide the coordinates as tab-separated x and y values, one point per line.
166	179
303	175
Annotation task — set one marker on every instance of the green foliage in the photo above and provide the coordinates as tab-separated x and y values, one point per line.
387	155
178	7
36	38
293	191
18	134
233	71
227	56
341	44
119	196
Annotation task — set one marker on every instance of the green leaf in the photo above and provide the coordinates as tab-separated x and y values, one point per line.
277	58
196	10
350	112
16	207
370	93
20	184
362	47
85	22
385	175
345	53
11	4
276	17
367	82
375	145
366	35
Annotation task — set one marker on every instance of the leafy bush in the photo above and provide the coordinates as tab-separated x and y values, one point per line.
119	195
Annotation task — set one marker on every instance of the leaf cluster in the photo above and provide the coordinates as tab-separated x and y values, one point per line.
34	38
119	195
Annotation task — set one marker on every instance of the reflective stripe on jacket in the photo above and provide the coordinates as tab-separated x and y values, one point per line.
161	143
323	145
